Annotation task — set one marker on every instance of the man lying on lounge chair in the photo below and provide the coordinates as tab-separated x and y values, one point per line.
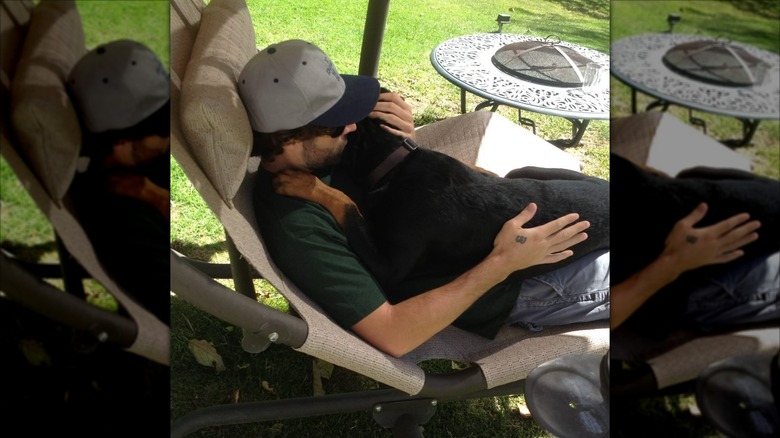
302	117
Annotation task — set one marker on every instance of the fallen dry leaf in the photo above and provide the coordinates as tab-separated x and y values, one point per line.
206	354
693	408
34	352
267	387
320	370
459	365
522	408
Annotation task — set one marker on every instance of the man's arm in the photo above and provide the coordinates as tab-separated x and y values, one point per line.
398	329
686	248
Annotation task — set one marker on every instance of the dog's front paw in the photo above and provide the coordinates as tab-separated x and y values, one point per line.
296	184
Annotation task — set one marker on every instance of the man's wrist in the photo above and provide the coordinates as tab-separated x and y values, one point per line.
491	271
666	268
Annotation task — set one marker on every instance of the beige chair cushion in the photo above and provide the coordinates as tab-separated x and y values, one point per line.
666	143
44	119
213	119
685	363
492	142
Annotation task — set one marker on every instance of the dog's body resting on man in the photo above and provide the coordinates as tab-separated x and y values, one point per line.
655	202
430	213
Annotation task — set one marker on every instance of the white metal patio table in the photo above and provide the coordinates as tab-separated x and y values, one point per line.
638	61
467	61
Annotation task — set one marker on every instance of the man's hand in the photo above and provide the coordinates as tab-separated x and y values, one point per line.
395	113
520	248
686	248
691	248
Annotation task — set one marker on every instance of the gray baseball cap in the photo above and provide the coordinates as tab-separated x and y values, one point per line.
293	83
117	85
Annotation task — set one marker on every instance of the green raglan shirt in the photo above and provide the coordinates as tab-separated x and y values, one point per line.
307	244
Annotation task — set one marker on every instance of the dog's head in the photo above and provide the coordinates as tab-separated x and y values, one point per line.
367	147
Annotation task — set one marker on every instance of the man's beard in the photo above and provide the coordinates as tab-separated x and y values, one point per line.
318	160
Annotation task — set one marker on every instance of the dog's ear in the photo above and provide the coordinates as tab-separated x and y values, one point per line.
372	129
367	146
369	130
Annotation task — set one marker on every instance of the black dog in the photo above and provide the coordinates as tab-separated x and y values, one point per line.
647	204
431	213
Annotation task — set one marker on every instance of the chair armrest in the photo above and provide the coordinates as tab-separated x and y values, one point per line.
258	319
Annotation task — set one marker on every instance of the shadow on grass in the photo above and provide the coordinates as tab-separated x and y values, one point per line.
30	253
761	8
593	8
199	252
82	387
663	415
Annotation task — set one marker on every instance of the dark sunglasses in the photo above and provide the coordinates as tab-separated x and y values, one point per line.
325	130
335	132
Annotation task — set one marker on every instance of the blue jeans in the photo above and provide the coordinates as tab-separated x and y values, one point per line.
578	292
746	293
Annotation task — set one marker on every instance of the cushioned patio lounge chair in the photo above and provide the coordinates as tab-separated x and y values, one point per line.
211	141
41	144
677	364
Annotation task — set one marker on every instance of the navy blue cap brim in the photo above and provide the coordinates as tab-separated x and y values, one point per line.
360	97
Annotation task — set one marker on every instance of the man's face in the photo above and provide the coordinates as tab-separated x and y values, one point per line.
324	151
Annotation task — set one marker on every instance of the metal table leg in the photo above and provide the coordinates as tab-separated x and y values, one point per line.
577	126
526	121
748	129
577	130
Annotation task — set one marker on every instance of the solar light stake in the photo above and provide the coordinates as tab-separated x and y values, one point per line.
673	19
502	19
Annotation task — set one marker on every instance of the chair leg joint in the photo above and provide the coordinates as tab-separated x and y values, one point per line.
405	415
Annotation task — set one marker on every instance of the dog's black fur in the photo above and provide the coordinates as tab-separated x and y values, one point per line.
433	214
646	206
